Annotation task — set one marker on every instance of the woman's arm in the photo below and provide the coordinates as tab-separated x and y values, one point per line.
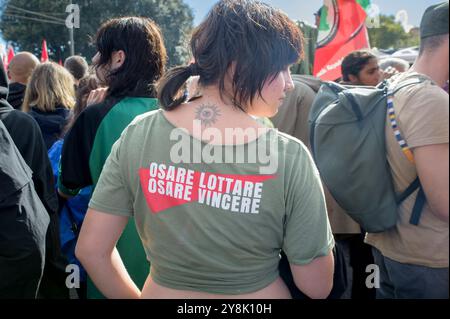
96	250
315	279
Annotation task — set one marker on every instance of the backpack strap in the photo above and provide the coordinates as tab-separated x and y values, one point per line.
398	135
391	91
418	207
420	200
409	191
414	81
354	105
416	185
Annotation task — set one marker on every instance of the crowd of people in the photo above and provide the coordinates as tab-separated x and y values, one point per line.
200	181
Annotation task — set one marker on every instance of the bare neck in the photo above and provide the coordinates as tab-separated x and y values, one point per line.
17	80
210	96
211	111
428	64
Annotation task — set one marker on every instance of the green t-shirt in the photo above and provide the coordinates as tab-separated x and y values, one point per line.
209	226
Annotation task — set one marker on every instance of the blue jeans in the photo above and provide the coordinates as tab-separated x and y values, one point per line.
404	281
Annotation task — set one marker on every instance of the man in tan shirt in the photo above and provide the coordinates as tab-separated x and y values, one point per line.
414	260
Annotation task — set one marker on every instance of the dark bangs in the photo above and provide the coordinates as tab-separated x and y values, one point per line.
261	42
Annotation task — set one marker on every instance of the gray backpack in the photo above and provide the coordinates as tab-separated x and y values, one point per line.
347	126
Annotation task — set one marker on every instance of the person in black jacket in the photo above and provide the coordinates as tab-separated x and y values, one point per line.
27	136
23	225
28	139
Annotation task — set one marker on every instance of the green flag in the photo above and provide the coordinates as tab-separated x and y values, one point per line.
365	4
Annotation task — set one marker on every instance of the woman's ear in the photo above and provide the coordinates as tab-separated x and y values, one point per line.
117	59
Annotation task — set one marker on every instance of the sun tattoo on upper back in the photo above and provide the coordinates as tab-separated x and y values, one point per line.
207	114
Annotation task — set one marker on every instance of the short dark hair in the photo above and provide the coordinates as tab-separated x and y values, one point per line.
141	40
77	66
257	39
355	62
431	43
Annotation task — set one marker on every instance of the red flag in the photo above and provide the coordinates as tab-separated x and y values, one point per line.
10	54
342	30
8	57
5	59
44	54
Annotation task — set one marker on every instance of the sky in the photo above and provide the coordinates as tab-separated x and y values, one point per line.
304	9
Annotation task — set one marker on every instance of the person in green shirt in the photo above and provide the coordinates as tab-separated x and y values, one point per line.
130	59
215	195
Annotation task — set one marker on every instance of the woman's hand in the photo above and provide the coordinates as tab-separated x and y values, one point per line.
97	96
388	73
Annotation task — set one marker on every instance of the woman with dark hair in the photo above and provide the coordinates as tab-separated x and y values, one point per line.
131	57
212	217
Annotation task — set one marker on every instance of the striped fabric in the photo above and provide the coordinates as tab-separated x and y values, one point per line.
398	135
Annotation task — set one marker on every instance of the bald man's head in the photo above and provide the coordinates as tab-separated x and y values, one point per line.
21	67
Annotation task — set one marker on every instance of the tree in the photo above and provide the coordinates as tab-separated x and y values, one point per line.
26	30
391	34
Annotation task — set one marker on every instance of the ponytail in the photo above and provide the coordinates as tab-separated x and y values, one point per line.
169	87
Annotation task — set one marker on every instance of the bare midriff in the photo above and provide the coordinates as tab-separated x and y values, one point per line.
152	290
